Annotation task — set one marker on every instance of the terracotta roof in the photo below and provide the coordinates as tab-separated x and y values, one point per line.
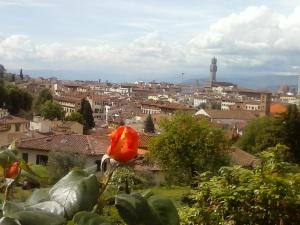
85	144
165	105
145	139
276	108
243	158
68	99
12	120
230	114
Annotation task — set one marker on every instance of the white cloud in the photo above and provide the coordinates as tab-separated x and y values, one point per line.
35	3
257	37
253	37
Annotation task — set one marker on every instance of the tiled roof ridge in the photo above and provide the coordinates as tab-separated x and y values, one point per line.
37	138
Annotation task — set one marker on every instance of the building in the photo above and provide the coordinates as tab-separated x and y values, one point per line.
69	103
10	125
163	107
230	117
99	103
40	125
213	70
66	127
36	150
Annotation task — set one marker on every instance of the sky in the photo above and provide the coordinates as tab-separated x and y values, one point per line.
127	40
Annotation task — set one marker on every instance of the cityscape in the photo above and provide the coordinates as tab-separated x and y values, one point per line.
126	141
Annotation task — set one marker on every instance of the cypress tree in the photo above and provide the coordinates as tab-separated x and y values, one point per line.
149	125
21	74
87	114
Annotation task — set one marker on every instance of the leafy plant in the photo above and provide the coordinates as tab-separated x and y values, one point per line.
187	146
77	198
268	195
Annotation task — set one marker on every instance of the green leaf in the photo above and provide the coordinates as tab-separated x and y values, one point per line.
7	157
77	191
37	196
24	166
10	208
46	213
136	209
50	207
9	221
165	209
88	218
126	206
38	217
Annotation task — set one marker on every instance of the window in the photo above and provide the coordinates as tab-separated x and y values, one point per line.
41	160
25	157
18	126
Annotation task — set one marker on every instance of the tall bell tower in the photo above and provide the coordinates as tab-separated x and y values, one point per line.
213	70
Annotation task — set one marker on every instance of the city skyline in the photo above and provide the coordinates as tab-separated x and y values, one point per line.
133	40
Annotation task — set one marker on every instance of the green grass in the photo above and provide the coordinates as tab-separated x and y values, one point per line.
175	193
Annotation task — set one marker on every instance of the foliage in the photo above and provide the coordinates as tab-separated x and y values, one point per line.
70	200
78	199
87	114
266	132
75	116
149	125
52	110
2	70
44	95
267	195
147	210
259	134
88	218
125	179
187	146
289	131
3	94
61	162
14	99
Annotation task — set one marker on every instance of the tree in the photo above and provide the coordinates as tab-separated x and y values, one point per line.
21	74
259	134
269	194
3	94
75	116
14	101
187	146
44	95
60	162
2	71
17	99
87	114
289	132
149	125
52	110
266	132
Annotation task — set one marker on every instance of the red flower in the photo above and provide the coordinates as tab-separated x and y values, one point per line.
124	144
12	170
